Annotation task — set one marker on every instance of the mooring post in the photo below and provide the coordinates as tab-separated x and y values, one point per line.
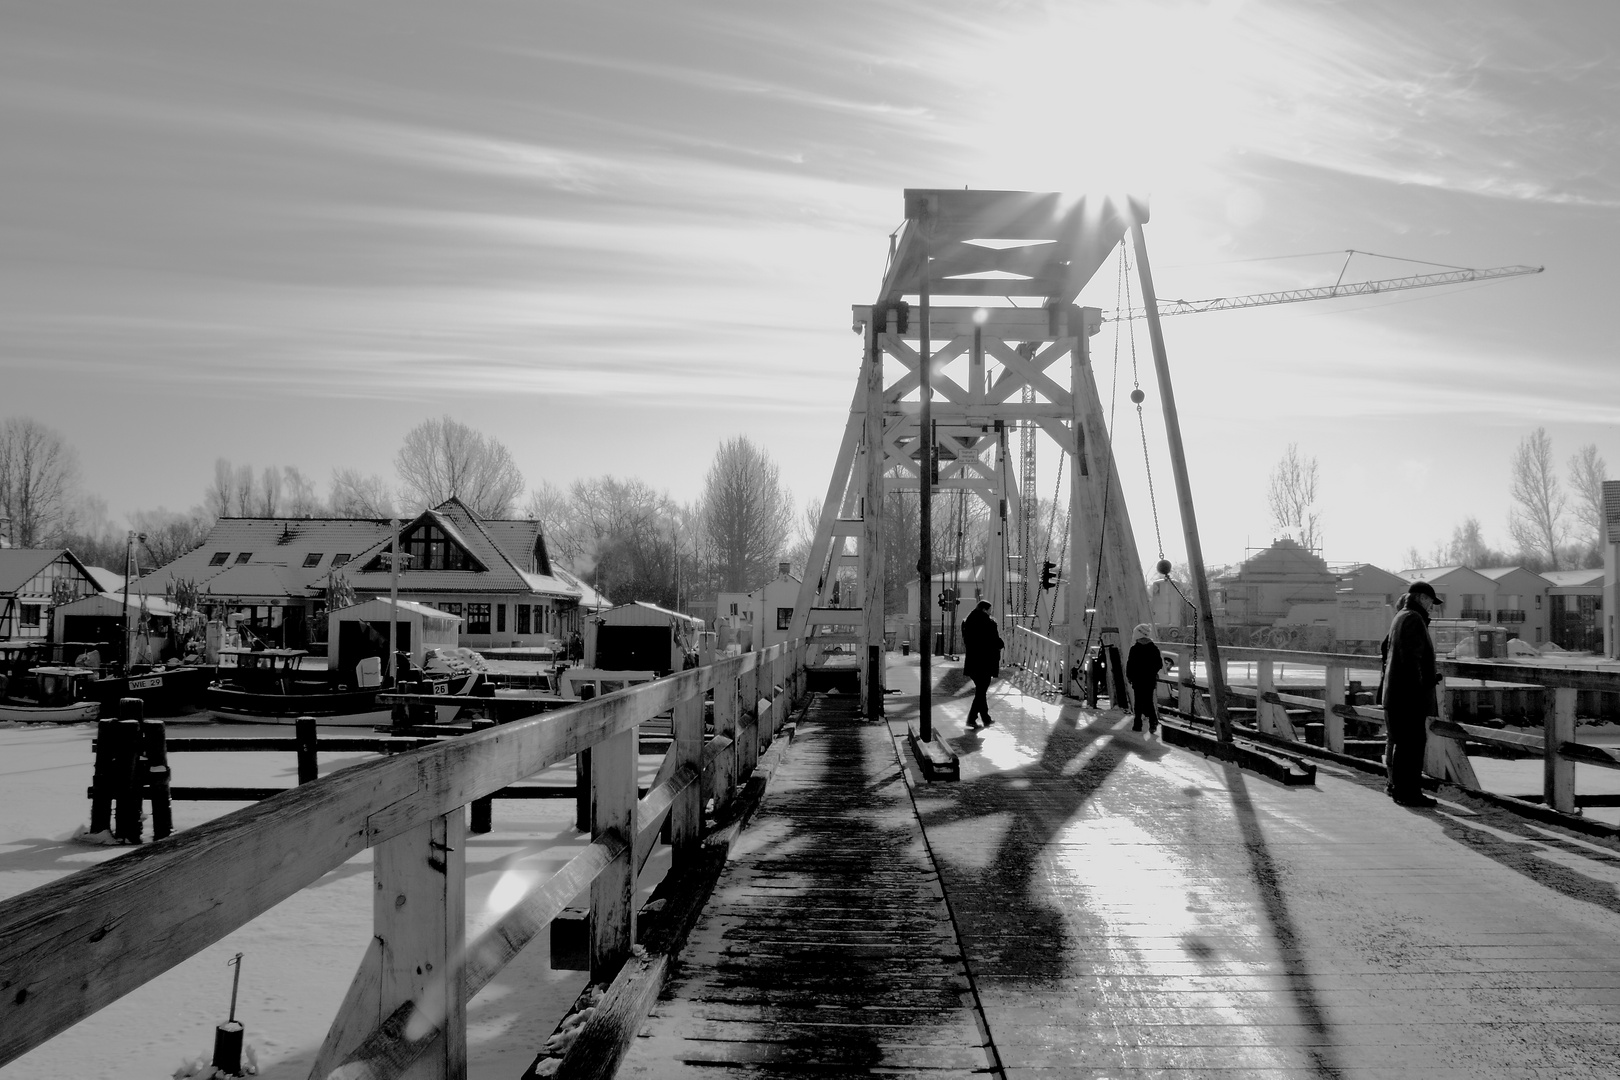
155	740
483	810
304	746
127	771
101	778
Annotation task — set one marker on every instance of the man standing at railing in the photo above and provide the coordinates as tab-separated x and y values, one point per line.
1409	696
981	661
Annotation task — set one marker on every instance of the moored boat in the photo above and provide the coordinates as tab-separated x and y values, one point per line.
48	695
270	686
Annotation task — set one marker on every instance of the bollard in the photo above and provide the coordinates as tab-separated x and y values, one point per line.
128	770
304	746
154	740
101	779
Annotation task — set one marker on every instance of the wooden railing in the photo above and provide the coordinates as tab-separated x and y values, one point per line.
69	948
1445	758
1036	655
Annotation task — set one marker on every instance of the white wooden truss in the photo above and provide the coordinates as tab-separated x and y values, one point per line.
993	369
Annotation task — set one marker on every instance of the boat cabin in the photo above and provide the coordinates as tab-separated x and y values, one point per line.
358	633
49	686
266	671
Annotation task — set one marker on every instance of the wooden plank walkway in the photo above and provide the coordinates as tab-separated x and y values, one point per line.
1129	910
826	946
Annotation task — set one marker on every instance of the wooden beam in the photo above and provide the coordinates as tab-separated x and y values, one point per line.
613	813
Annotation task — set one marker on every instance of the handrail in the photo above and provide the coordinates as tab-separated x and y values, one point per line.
73	946
1036	654
1446	757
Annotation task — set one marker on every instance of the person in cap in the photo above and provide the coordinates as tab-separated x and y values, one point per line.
1142	666
981	659
1409	695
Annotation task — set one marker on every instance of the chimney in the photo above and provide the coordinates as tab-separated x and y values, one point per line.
783	569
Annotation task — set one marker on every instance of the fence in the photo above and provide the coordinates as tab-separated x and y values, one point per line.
69	948
1446	756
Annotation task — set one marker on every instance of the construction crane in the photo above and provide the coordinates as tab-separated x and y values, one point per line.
1451	276
1454	276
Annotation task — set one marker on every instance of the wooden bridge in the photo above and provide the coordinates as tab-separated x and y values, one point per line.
1083	902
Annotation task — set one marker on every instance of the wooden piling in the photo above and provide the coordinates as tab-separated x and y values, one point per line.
304	738
154	740
101	779
127	769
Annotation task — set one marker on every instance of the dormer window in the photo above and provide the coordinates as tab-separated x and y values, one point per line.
340	558
219	558
243	557
313	559
430	549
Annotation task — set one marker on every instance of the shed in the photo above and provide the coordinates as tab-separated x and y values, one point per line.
641	637
99	619
354	633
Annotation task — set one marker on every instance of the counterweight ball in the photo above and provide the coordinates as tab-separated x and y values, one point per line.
1137	396
1163	566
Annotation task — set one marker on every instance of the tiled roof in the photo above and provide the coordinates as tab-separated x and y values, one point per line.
1569	579
504	548
277	549
19	565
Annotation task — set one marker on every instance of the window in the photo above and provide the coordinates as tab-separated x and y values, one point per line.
784	618
243	557
500	618
523	618
219	558
477	618
340	558
450	609
312	559
1538	608
430	549
30	615
734	609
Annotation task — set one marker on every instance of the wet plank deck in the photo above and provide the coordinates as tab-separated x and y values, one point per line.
1119	908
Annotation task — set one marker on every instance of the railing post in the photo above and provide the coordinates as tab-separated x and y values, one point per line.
1265	713
686	812
1332	699
1558	727
613	811
1187	697
725	727
419	916
749	721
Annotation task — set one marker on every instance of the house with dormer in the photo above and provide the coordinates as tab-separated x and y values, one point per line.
275	575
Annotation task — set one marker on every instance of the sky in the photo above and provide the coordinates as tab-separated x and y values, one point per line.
612	235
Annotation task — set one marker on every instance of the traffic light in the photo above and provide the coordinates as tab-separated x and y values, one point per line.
947	599
1048	575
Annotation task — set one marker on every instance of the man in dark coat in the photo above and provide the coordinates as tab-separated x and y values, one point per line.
1142	667
981	662
1409	696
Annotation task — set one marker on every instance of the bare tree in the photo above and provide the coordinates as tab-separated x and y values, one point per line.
39	479
242	493
622	531
355	495
301	500
221	496
1292	497
170	534
1537	524
746	514
270	492
559	522
93	536
1587	471
442	459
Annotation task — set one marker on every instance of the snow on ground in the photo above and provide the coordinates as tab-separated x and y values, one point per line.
299	957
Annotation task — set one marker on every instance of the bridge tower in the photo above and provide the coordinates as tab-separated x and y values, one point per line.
982	284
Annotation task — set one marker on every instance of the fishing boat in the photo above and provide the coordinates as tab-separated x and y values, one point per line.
170	690
48	695
270	686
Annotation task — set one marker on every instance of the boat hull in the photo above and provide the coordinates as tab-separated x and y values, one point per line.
76	713
336	708
163	692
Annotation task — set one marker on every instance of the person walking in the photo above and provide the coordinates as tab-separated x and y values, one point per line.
1409	696
981	659
1142	666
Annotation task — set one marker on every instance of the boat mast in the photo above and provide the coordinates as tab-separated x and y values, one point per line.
393	601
